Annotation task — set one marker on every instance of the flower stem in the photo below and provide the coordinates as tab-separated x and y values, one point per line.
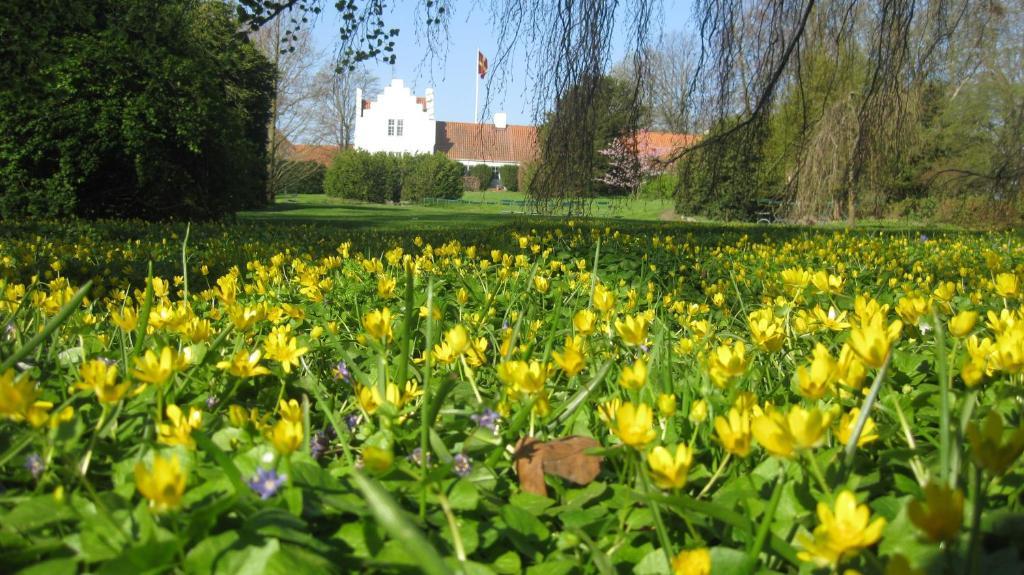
766	521
942	369
818	475
977	506
659	524
714	477
425	402
865	409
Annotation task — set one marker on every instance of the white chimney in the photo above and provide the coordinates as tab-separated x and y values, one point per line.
501	120
359	102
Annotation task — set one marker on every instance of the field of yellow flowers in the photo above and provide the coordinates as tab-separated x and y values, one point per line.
546	399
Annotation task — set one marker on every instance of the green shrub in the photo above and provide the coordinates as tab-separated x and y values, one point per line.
484	174
660	186
348	175
470	183
431	176
509	177
305	177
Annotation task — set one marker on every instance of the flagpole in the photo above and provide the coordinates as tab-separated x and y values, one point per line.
476	102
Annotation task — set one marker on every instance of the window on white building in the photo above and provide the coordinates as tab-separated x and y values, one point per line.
391	127
399	133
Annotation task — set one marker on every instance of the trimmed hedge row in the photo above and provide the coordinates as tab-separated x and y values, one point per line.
382	177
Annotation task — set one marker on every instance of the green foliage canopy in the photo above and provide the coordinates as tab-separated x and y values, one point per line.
130	109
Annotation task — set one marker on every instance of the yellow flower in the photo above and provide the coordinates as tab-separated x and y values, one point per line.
795	280
244	365
766	331
726	363
604	300
16	398
1006	285
669	470
692	562
872	339
989	450
286	436
178	429
127	319
456	342
827	283
606	411
850	372
163	485
667	404
847	423
475	354
158	370
698	411
281	347
541	283
840	534
290	410
633	329
941	514
817	378
635	376
523	377
386	286
378	324
734	432
571	359
962	323
584	322
832	320
912	309
634	424
783	435
1008	350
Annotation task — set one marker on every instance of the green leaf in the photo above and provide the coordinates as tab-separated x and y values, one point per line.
464	495
399	525
64	566
531	502
150	557
654	563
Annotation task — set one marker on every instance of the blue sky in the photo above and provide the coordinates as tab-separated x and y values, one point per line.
453	76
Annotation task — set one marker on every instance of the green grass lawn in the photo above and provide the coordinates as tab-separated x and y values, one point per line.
477	210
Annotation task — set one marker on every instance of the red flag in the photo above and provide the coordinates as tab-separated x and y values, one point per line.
481	64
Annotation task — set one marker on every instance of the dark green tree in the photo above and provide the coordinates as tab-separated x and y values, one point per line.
131	109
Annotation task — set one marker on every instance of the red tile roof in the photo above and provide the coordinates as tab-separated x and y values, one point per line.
484	142
661	145
319	154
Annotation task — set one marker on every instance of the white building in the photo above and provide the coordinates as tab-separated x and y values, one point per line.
396	122
400	122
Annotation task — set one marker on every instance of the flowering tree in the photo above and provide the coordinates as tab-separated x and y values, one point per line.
627	168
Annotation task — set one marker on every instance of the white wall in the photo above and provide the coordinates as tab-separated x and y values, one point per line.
396	103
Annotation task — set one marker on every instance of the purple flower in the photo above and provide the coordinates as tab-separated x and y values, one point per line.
34	464
461	465
924	238
10	331
266	482
488	419
341	372
321	442
107	361
417	457
353	420
211	402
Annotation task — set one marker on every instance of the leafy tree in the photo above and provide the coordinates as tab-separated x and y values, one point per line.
576	167
127	108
